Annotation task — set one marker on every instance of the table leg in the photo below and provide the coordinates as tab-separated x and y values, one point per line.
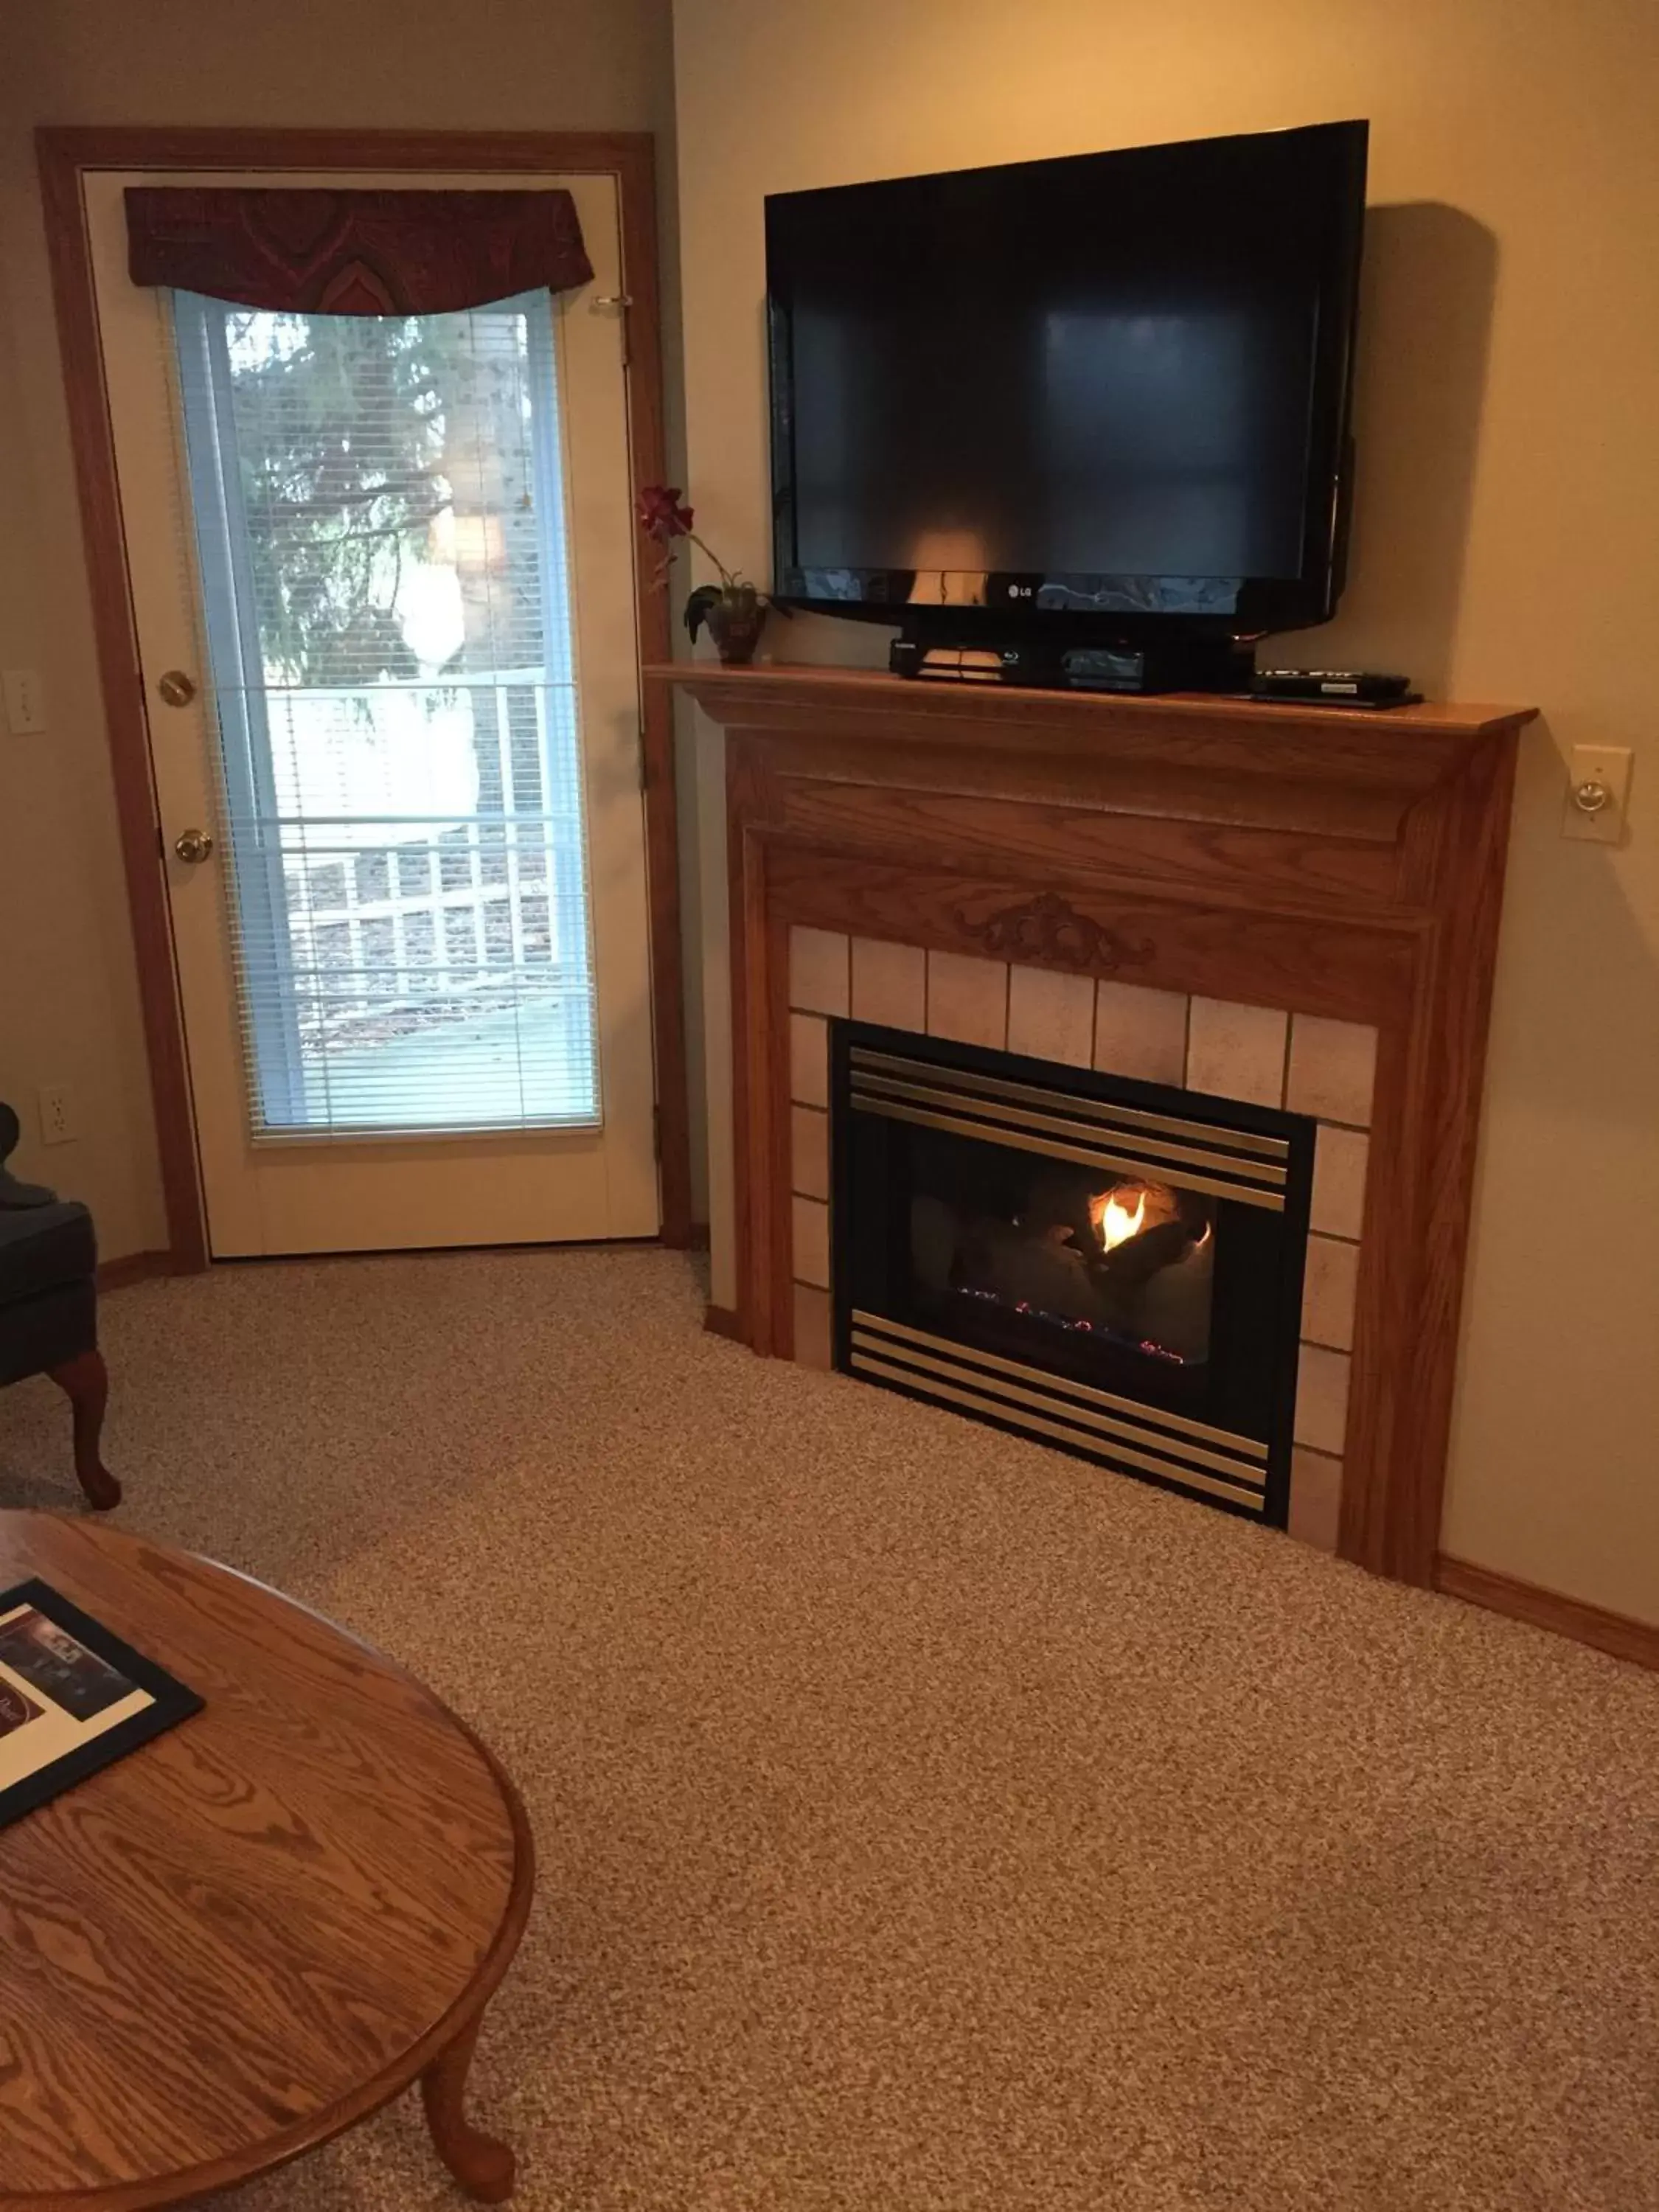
485	2167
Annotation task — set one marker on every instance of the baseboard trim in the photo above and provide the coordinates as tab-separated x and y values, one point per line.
722	1321
132	1267
1637	1641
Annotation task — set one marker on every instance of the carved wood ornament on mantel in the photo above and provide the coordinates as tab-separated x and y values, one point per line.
1047	933
1326	860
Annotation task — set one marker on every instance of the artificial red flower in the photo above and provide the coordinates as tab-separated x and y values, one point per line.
661	513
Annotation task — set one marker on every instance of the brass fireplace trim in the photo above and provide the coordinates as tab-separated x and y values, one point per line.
1093	1156
1042	1412
1087	1395
923	1094
1070	1104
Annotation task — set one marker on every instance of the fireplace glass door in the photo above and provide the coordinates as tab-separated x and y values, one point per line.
1113	1267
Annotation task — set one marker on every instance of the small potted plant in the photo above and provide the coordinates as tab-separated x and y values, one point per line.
733	610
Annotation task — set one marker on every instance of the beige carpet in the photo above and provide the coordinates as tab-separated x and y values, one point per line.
926	1821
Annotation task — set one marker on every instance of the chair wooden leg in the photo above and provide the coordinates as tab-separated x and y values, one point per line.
86	1380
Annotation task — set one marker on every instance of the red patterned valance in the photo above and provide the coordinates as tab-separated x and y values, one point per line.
354	253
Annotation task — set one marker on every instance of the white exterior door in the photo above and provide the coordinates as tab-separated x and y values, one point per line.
391	559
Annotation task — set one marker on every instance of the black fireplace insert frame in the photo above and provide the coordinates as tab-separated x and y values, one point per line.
1236	1405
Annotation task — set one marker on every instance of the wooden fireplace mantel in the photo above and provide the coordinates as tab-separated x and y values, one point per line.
1331	861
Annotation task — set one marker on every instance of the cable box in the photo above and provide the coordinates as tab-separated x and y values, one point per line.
1335	687
1182	665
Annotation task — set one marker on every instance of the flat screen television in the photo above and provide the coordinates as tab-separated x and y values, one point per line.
1093	400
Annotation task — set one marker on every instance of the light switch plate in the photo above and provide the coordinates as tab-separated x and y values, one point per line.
1590	769
25	702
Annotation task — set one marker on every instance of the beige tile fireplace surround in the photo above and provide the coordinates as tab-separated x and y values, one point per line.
1265	1056
1293	908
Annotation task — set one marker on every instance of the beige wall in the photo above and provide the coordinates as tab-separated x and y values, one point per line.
1507	549
69	1009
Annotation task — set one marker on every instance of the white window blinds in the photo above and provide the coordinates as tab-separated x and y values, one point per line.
380	528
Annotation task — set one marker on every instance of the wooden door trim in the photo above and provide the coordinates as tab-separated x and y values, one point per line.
125	717
66	154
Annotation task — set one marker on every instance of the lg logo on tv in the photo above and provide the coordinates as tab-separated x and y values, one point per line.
1022	590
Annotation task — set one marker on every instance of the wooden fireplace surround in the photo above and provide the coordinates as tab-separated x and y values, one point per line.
1331	861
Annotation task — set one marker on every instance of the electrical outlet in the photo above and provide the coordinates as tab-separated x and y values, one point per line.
26	701
57	1122
1598	794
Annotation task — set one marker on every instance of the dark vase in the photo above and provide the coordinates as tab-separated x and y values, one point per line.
735	621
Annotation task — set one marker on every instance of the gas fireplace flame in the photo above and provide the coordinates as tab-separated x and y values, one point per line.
1114	1222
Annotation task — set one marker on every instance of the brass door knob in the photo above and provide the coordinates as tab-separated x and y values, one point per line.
176	688
194	844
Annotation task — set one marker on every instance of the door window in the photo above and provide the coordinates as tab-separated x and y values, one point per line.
379	520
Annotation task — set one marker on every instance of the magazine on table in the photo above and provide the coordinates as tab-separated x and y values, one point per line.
74	1697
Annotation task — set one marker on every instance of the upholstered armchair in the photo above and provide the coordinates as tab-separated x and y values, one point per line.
49	1308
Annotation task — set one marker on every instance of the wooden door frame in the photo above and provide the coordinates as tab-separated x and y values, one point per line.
66	154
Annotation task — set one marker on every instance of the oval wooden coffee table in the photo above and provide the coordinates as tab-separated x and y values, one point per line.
259	1927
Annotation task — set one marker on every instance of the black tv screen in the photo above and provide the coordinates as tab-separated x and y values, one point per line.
1110	387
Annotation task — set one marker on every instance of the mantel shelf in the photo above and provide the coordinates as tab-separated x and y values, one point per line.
1196	757
742	695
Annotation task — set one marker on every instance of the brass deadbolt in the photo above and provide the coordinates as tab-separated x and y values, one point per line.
176	688
193	845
